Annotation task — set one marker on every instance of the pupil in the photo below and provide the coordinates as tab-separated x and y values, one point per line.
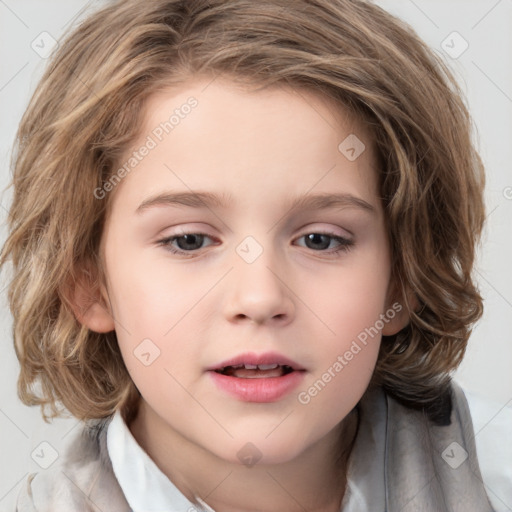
190	241
316	239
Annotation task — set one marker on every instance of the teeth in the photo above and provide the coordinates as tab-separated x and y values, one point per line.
262	367
267	366
272	366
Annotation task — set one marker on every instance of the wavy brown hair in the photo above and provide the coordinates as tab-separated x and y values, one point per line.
87	110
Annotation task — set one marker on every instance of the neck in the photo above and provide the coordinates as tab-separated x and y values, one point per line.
315	480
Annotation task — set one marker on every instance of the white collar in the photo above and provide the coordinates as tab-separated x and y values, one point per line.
365	489
145	487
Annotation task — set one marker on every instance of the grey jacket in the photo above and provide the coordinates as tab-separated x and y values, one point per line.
426	469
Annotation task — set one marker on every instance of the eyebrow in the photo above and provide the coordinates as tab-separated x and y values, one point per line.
210	200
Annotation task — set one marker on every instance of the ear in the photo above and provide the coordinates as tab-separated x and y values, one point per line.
397	311
88	300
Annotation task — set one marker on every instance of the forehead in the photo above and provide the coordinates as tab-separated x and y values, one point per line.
233	100
208	134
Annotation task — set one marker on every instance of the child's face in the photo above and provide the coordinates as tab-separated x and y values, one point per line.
255	284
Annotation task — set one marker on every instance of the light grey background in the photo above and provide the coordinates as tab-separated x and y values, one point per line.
485	72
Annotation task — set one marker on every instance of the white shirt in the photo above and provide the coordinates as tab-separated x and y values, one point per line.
137	473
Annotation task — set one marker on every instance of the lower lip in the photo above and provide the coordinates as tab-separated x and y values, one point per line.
263	390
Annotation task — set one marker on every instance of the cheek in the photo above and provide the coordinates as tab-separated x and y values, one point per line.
160	314
345	364
150	296
346	301
349	304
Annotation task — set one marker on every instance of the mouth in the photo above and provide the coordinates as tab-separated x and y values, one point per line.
257	366
261	378
255	371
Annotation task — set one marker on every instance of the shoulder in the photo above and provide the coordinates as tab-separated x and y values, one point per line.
492	423
430	464
80	480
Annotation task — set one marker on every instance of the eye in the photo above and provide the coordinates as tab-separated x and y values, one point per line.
186	242
321	241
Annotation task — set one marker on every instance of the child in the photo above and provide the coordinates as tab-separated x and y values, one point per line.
256	371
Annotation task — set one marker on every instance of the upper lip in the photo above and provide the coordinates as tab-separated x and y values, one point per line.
253	358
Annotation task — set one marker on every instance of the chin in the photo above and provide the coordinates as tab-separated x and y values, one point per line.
254	449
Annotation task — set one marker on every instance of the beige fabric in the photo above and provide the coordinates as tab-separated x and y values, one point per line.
417	477
82	481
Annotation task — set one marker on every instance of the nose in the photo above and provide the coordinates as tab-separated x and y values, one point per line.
259	292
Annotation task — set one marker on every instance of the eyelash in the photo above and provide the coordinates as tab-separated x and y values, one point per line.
345	244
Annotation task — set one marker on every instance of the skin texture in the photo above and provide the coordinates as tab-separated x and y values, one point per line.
263	149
